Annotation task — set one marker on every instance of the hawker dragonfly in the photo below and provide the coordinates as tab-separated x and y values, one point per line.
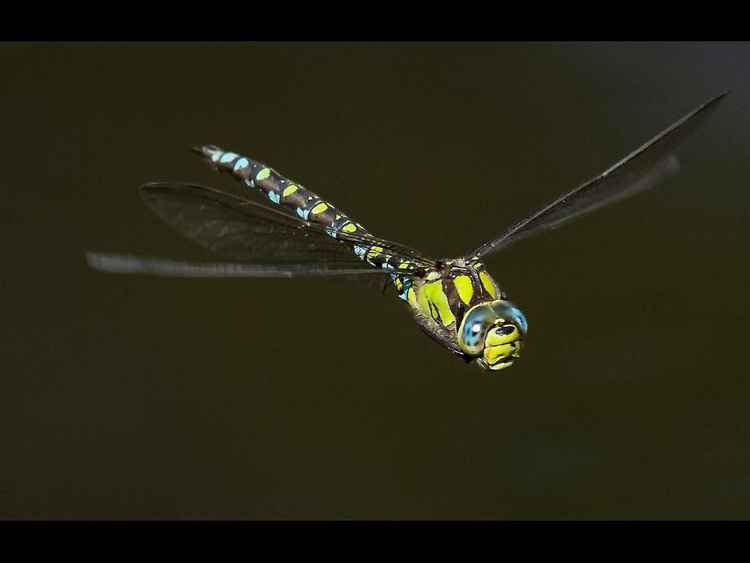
454	300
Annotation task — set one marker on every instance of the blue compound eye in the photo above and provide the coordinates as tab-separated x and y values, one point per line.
481	318
474	334
510	313
474	327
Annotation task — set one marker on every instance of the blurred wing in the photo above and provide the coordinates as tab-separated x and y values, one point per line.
164	267
642	169
246	231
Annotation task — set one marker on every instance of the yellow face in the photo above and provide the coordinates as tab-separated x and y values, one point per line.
502	346
493	333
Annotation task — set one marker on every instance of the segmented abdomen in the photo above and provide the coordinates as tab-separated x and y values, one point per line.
306	204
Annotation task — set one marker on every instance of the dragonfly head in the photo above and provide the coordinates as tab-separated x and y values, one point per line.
492	333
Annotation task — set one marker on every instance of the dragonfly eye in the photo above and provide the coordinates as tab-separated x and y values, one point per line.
510	314
474	327
493	332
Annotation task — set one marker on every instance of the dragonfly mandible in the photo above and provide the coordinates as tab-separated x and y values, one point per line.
454	300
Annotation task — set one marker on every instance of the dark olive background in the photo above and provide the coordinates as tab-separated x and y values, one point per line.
133	397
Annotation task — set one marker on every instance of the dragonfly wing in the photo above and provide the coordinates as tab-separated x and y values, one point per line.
164	267
642	169
240	229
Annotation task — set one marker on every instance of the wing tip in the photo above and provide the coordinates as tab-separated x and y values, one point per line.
149	190
163	186
97	261
90	258
713	102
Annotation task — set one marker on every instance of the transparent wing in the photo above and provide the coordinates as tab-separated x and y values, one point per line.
642	169
164	267
246	231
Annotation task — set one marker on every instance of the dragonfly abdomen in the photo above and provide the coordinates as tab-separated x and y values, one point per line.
307	205
280	190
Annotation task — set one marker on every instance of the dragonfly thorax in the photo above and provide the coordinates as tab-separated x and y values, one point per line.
446	293
461	305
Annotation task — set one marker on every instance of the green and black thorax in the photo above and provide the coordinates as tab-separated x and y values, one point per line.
442	297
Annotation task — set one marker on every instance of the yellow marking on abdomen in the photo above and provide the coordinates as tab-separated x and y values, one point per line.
289	190
318	209
349	228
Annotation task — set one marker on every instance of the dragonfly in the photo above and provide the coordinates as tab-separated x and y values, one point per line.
455	301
